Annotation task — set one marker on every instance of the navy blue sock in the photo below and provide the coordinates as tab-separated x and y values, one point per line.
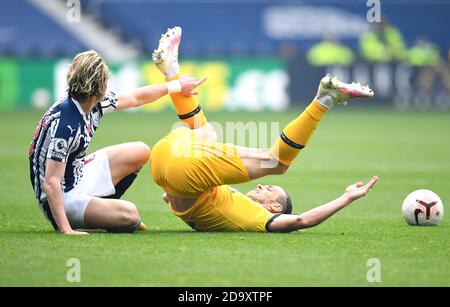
126	229
123	186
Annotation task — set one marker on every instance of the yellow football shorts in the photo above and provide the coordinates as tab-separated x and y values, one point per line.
186	167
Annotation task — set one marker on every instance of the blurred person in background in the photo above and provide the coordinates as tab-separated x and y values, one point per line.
425	56
383	43
329	52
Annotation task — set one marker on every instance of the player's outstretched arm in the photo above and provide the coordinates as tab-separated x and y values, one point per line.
311	218
185	84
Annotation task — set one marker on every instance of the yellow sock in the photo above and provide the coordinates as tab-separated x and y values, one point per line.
188	109
297	133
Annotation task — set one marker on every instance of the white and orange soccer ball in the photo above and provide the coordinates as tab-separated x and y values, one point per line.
423	208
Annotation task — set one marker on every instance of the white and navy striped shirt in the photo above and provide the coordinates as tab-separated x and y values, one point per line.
63	134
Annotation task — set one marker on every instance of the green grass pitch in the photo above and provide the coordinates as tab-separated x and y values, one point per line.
406	150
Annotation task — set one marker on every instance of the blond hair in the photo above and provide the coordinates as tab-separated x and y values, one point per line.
88	76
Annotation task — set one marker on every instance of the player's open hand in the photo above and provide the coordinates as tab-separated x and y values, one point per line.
189	84
359	189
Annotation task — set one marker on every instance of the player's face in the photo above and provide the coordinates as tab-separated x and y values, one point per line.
267	196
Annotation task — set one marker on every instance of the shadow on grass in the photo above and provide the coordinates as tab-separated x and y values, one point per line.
176	232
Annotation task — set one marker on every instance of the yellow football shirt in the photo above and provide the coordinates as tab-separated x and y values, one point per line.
187	167
225	209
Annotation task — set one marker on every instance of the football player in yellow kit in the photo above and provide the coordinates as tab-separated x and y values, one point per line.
195	170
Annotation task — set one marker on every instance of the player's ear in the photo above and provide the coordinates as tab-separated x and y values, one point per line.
276	207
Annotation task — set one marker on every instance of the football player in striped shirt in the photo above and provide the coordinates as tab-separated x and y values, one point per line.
76	191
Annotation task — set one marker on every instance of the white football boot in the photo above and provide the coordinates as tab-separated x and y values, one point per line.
167	51
341	92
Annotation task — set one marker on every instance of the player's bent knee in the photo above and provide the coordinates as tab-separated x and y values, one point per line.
280	169
142	153
130	215
129	219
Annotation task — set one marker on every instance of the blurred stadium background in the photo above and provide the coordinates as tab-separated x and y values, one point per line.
259	55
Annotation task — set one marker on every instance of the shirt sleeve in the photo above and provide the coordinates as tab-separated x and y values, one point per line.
63	135
109	103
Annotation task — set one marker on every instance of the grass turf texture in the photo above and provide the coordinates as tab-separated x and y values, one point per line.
407	151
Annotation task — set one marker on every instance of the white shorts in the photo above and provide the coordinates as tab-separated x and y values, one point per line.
96	182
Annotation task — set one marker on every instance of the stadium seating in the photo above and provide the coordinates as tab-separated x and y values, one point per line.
26	32
216	28
237	27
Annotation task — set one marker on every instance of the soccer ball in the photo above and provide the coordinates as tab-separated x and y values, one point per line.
423	208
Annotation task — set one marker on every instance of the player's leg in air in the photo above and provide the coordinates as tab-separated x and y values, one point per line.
291	142
276	160
187	107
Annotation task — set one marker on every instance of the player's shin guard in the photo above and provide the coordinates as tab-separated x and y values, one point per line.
297	133
189	110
